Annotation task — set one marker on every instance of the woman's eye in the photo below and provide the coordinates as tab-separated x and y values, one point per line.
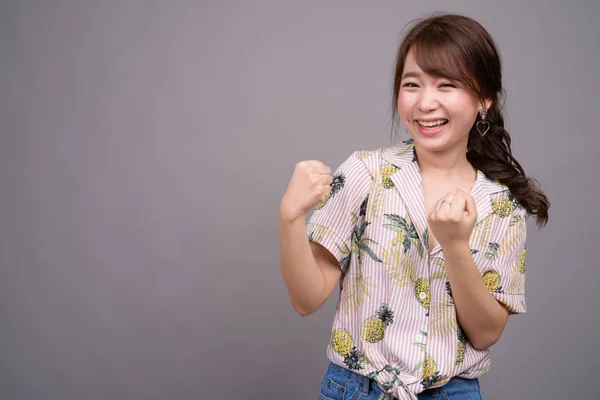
410	84
447	85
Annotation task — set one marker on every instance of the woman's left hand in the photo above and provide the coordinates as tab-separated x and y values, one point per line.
452	218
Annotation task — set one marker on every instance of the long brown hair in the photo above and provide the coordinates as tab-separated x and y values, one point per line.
458	48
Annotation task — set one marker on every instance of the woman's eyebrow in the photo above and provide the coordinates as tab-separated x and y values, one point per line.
411	75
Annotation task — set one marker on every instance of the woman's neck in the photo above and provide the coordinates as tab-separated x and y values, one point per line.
446	165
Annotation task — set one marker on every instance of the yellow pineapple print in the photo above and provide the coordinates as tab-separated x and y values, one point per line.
492	281
422	292
387	171
430	372
398	239
521	262
341	341
460	353
322	203
502	206
373	328
460	347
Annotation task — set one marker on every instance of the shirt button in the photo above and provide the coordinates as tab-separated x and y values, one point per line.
419	338
422	295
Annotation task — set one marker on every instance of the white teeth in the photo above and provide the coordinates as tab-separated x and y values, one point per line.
431	123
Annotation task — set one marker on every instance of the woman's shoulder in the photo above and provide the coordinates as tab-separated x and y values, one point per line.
502	200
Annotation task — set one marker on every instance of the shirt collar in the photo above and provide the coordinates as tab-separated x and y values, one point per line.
407	180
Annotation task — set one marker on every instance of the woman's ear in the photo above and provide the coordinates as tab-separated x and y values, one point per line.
488	103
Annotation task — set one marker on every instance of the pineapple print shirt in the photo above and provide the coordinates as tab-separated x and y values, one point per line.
395	320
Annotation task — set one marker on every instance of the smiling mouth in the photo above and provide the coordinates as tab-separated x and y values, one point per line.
432	124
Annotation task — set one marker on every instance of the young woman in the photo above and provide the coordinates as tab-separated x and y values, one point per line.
426	238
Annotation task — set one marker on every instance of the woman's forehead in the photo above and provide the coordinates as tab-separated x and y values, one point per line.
432	62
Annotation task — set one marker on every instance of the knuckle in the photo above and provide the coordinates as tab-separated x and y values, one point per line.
314	164
302	167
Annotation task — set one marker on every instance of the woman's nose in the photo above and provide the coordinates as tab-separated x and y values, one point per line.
427	101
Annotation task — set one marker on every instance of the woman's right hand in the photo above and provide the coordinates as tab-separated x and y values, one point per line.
310	183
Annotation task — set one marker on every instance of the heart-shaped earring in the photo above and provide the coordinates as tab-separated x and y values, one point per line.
483	126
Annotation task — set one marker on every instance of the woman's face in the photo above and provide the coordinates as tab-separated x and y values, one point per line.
436	112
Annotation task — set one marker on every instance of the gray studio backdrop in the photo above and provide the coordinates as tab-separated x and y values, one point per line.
145	146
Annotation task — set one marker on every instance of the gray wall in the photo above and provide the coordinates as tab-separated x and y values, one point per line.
145	147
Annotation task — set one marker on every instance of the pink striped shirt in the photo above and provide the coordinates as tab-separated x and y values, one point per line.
395	319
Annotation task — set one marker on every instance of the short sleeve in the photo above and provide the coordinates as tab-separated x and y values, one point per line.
506	278
334	218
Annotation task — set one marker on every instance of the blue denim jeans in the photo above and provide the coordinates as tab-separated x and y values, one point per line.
342	384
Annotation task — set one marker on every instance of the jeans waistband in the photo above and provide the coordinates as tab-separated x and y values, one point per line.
364	380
